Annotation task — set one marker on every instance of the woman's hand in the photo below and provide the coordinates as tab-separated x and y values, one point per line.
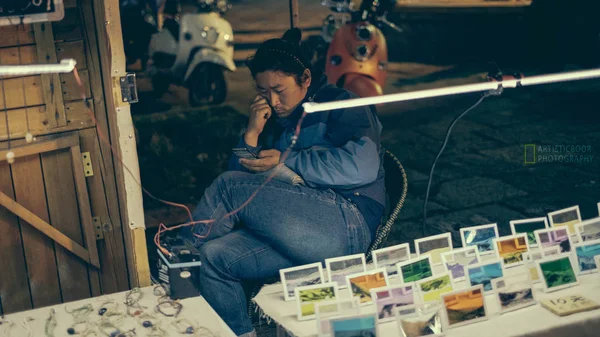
267	159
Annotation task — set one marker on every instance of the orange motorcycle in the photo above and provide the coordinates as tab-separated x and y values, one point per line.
357	55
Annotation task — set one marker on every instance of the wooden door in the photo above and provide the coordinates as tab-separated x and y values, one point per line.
71	189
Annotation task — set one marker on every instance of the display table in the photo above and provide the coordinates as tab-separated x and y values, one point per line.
196	311
531	321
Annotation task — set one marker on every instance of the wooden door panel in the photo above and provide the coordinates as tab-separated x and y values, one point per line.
104	205
39	249
64	216
14	296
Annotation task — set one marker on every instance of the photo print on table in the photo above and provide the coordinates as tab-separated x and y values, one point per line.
434	246
585	252
432	288
553	250
307	296
360	284
588	230
483	273
557	272
305	275
340	267
465	306
426	323
326	310
415	269
388	258
566	217
510	249
390	299
530	264
529	226
514	292
481	237
554	237
456	260
364	325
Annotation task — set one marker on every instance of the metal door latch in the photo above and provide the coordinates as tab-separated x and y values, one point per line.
98	228
88	171
129	88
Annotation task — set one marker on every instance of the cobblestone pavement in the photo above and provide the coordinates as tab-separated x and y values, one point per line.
482	175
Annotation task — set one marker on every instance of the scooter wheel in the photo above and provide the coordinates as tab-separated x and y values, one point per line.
207	85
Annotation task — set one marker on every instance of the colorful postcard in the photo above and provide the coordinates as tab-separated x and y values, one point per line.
355	325
529	226
305	275
389	299
566	217
390	256
585	253
481	237
307	296
483	273
434	246
510	249
530	262
415	269
588	230
432	288
464	306
554	250
360	284
456	260
426	323
340	267
557	272
554	237
326	310
514	292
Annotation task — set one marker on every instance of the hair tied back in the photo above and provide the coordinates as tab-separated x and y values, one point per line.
293	35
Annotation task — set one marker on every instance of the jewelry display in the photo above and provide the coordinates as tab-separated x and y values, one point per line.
50	324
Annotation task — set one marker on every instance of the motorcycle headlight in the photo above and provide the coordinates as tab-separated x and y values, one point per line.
363	33
210	34
362	52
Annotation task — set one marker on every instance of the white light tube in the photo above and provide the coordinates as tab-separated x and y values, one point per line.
65	66
311	107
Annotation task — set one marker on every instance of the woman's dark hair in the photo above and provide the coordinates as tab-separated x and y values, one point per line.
284	55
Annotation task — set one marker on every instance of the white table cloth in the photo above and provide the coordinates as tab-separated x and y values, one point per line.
531	321
196	310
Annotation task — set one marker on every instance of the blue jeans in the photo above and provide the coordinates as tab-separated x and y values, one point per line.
283	226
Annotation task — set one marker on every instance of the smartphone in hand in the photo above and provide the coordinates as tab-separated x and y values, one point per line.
244	152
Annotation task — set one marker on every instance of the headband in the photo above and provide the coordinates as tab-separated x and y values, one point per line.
295	58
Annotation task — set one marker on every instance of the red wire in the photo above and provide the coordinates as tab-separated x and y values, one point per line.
192	222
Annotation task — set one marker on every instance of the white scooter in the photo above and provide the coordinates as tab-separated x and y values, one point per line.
194	51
